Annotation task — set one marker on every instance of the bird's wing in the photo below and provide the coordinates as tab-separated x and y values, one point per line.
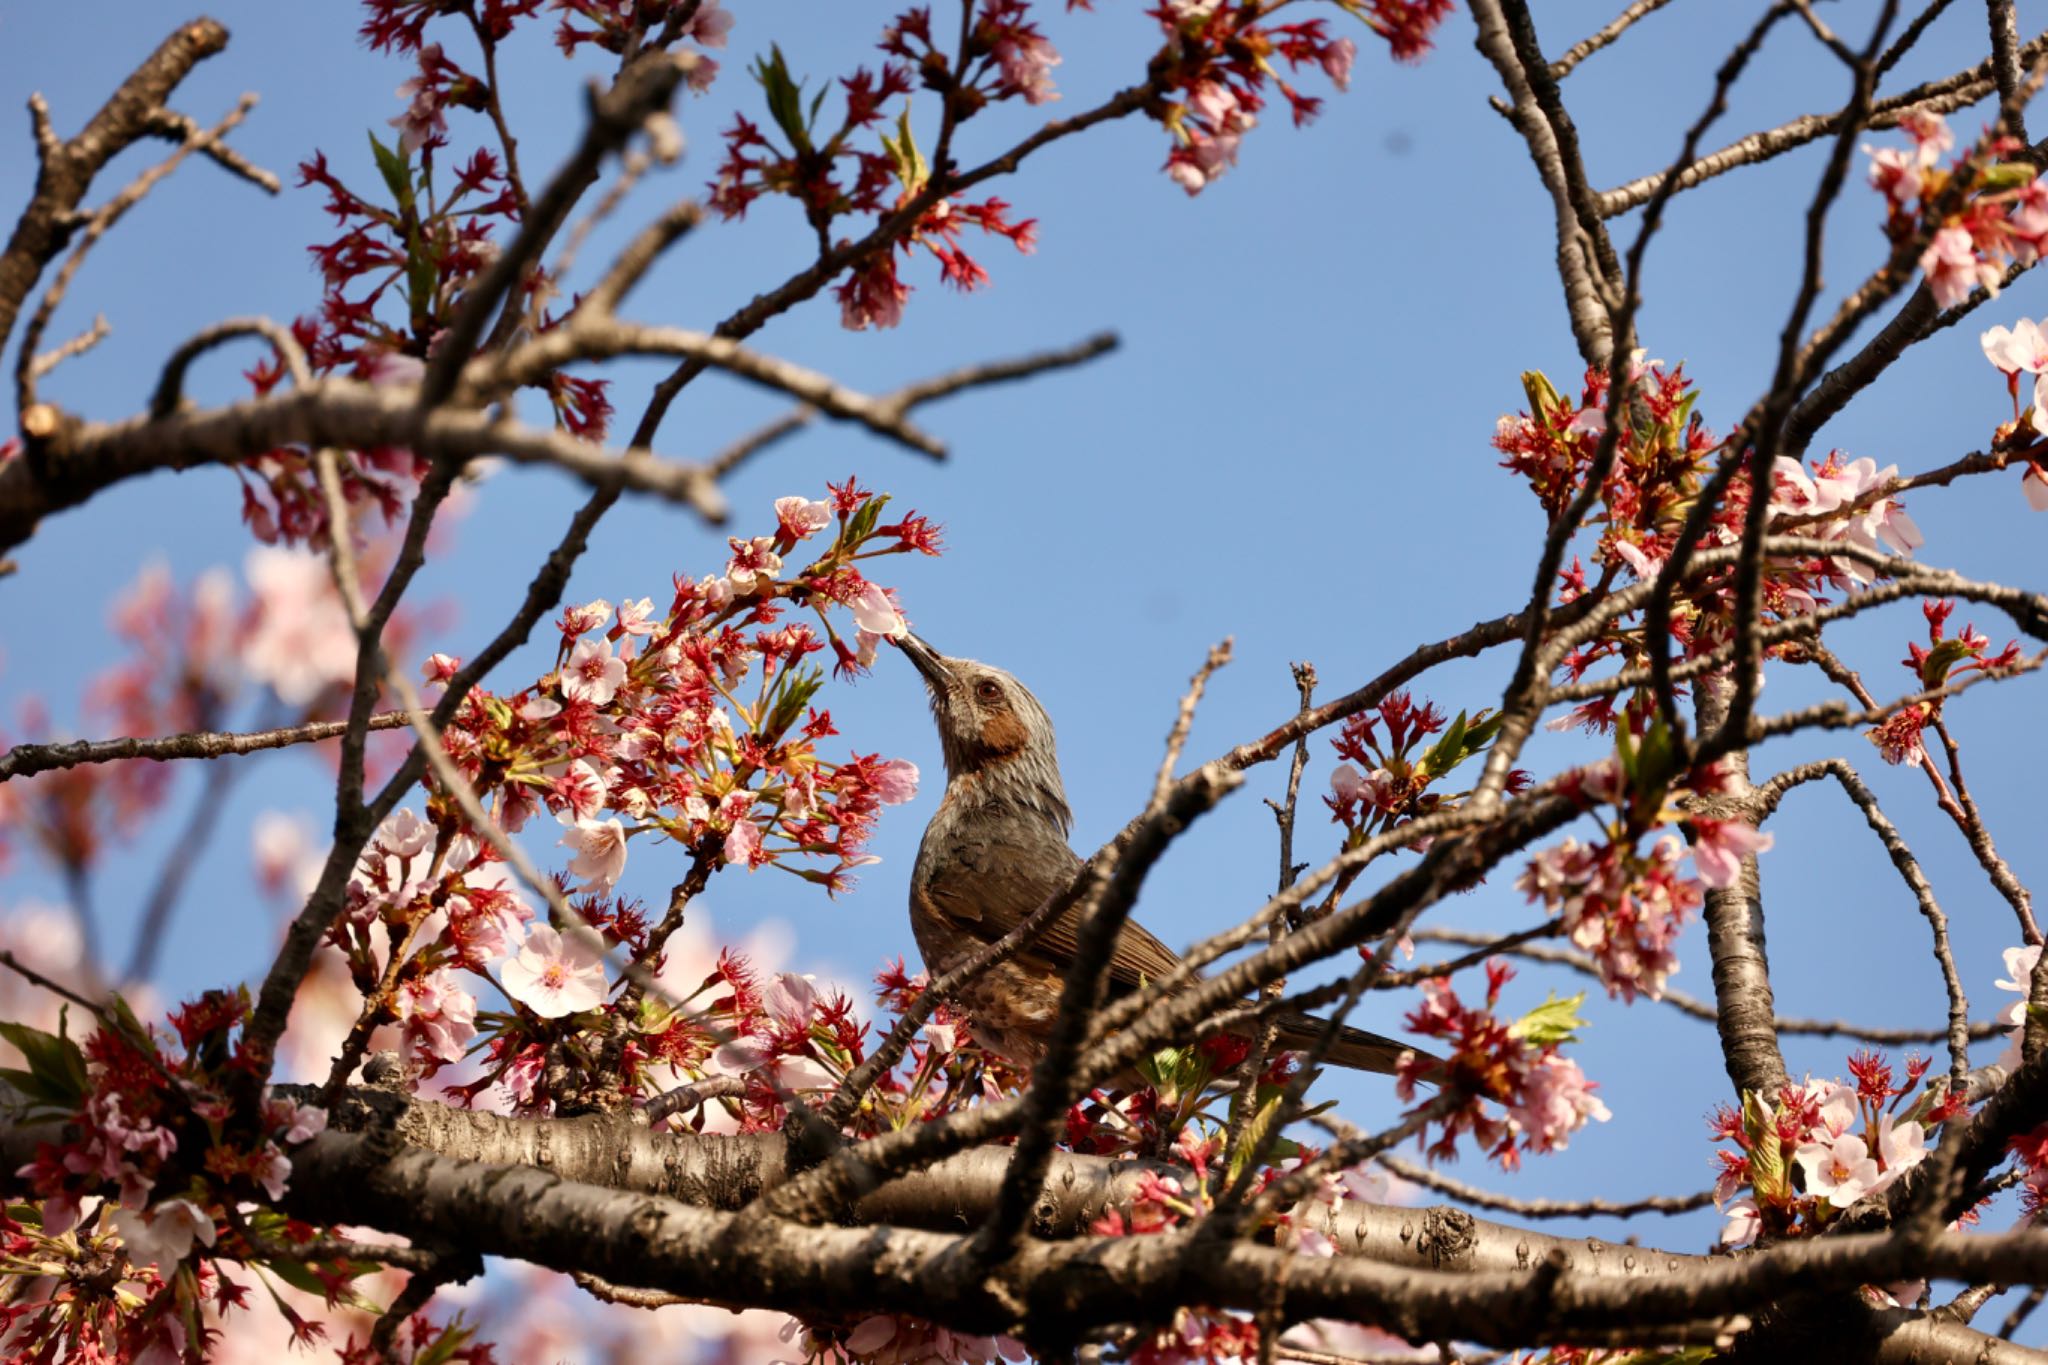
993	882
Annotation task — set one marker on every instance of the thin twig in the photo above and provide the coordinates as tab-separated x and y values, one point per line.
25	760
1605	35
1668	1205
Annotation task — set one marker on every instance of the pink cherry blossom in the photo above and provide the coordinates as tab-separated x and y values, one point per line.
2019	971
1901	1146
1337	60
294	1123
1743	1225
2020	349
743	845
800	518
1556	1100
555	975
754	563
2034	477
300	642
593	673
426	97
403	834
1646	566
582	620
1843	1170
709	25
164	1235
895	781
1027	61
439	668
638	618
1721	847
582	790
875	612
1953	269
601	852
791	998
439	1018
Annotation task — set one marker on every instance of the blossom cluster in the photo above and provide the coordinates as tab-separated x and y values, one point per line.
1622	904
197	659
2014	351
408	252
155	1144
1977	215
1807	1154
1394	773
1517	1092
1663	455
1933	664
691	725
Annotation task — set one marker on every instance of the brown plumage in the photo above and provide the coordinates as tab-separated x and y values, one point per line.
997	849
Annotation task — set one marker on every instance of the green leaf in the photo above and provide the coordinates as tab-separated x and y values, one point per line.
1944	656
1554	1021
443	1348
1767	1174
1443	755
911	168
785	99
2008	176
397	174
1254	1130
55	1073
1544	398
863	523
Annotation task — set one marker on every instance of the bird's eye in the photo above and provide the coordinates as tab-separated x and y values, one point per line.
988	690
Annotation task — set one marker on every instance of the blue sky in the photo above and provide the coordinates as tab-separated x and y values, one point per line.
1291	448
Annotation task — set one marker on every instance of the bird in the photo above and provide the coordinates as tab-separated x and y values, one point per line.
996	850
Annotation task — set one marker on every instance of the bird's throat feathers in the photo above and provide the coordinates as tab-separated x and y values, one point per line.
1021	780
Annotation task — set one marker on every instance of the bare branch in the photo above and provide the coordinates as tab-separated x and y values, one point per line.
68	168
1605	35
1944	96
1692	1005
1542	1208
25	760
1916	882
97	224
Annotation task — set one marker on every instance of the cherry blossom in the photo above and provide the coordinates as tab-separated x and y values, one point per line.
593	673
1743	1224
439	1018
164	1235
2018	978
2022	348
2034	476
554	974
1721	845
299	640
636	617
582	620
1556	1100
895	781
800	518
1027	60
1843	1170
754	563
601	852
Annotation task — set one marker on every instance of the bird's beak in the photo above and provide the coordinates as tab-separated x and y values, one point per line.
927	660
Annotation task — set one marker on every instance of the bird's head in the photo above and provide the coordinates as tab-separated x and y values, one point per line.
991	729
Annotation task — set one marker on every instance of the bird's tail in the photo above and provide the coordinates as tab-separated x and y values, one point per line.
1354	1047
